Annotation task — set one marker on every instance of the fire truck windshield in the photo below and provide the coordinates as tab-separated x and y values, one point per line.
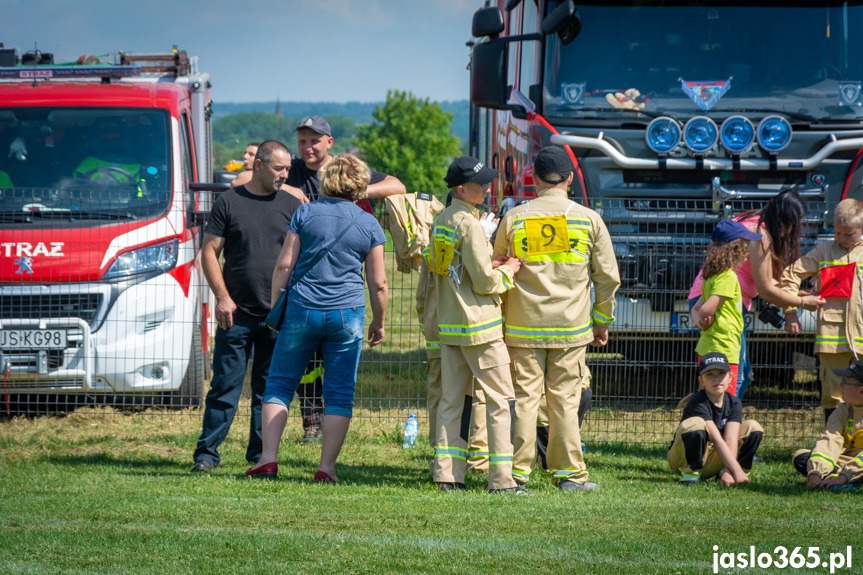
84	163
686	59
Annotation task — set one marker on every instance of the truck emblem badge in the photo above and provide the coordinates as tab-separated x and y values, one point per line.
25	265
849	94
705	94
573	93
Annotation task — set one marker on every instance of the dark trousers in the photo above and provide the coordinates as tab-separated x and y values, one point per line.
230	357
310	395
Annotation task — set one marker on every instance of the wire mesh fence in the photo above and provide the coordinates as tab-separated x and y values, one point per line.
139	340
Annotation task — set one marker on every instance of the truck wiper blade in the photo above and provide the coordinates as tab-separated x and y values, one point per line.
794	115
647	113
16	216
97	215
29	216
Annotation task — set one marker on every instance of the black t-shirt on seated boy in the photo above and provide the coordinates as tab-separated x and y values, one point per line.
700	405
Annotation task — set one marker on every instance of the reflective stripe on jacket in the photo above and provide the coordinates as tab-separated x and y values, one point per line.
427	306
468	299
550	304
835	442
840	321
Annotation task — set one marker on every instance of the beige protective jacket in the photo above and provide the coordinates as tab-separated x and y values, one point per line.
468	294
408	218
563	247
838	440
840	321
427	306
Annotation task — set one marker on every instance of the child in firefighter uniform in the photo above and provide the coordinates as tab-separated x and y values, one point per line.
836	461
426	306
838	265
550	320
470	324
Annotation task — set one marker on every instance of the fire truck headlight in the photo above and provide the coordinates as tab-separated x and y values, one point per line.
737	134
774	133
158	257
662	135
700	134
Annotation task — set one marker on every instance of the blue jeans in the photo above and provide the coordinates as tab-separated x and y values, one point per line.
339	333
230	356
744	372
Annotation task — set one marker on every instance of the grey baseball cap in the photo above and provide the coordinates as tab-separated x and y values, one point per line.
316	123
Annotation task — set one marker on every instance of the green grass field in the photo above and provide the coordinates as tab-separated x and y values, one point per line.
100	492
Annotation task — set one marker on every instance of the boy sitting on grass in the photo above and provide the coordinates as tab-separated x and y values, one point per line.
712	438
836	461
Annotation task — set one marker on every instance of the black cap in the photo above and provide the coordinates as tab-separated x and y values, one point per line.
316	123
552	161
713	360
467	169
854	370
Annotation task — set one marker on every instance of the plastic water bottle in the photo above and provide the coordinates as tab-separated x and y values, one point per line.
410	431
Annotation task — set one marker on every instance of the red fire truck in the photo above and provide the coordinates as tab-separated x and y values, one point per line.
675	114
105	172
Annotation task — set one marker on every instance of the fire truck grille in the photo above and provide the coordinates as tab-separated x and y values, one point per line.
52	306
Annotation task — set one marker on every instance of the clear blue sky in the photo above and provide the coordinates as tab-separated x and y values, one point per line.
256	50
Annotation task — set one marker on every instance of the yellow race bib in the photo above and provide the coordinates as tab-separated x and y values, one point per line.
546	235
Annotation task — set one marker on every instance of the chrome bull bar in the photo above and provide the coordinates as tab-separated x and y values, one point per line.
605	146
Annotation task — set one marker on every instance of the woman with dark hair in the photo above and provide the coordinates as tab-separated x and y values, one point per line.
779	223
321	266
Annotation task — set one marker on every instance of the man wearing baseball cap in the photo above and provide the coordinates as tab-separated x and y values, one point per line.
314	140
550	319
470	324
836	461
712	438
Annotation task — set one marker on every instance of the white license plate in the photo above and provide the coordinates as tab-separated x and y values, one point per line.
32	339
682	322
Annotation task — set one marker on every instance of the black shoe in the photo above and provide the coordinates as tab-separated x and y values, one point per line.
202	466
451	486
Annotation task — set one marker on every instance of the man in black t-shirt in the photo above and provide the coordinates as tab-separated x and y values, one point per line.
248	225
712	438
314	140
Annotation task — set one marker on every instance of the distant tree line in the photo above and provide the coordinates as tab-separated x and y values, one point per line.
410	138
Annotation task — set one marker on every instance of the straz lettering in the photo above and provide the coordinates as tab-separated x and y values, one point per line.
26	249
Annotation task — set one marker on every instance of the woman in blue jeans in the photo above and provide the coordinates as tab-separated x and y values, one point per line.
321	265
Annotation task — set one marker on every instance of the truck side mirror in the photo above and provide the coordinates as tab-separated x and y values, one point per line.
488	75
564	20
224	176
209	186
487	22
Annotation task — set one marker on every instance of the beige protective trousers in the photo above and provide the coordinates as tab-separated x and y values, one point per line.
489	364
831	384
561	374
711	460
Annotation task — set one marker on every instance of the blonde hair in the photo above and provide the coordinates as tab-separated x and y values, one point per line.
345	177
848	212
